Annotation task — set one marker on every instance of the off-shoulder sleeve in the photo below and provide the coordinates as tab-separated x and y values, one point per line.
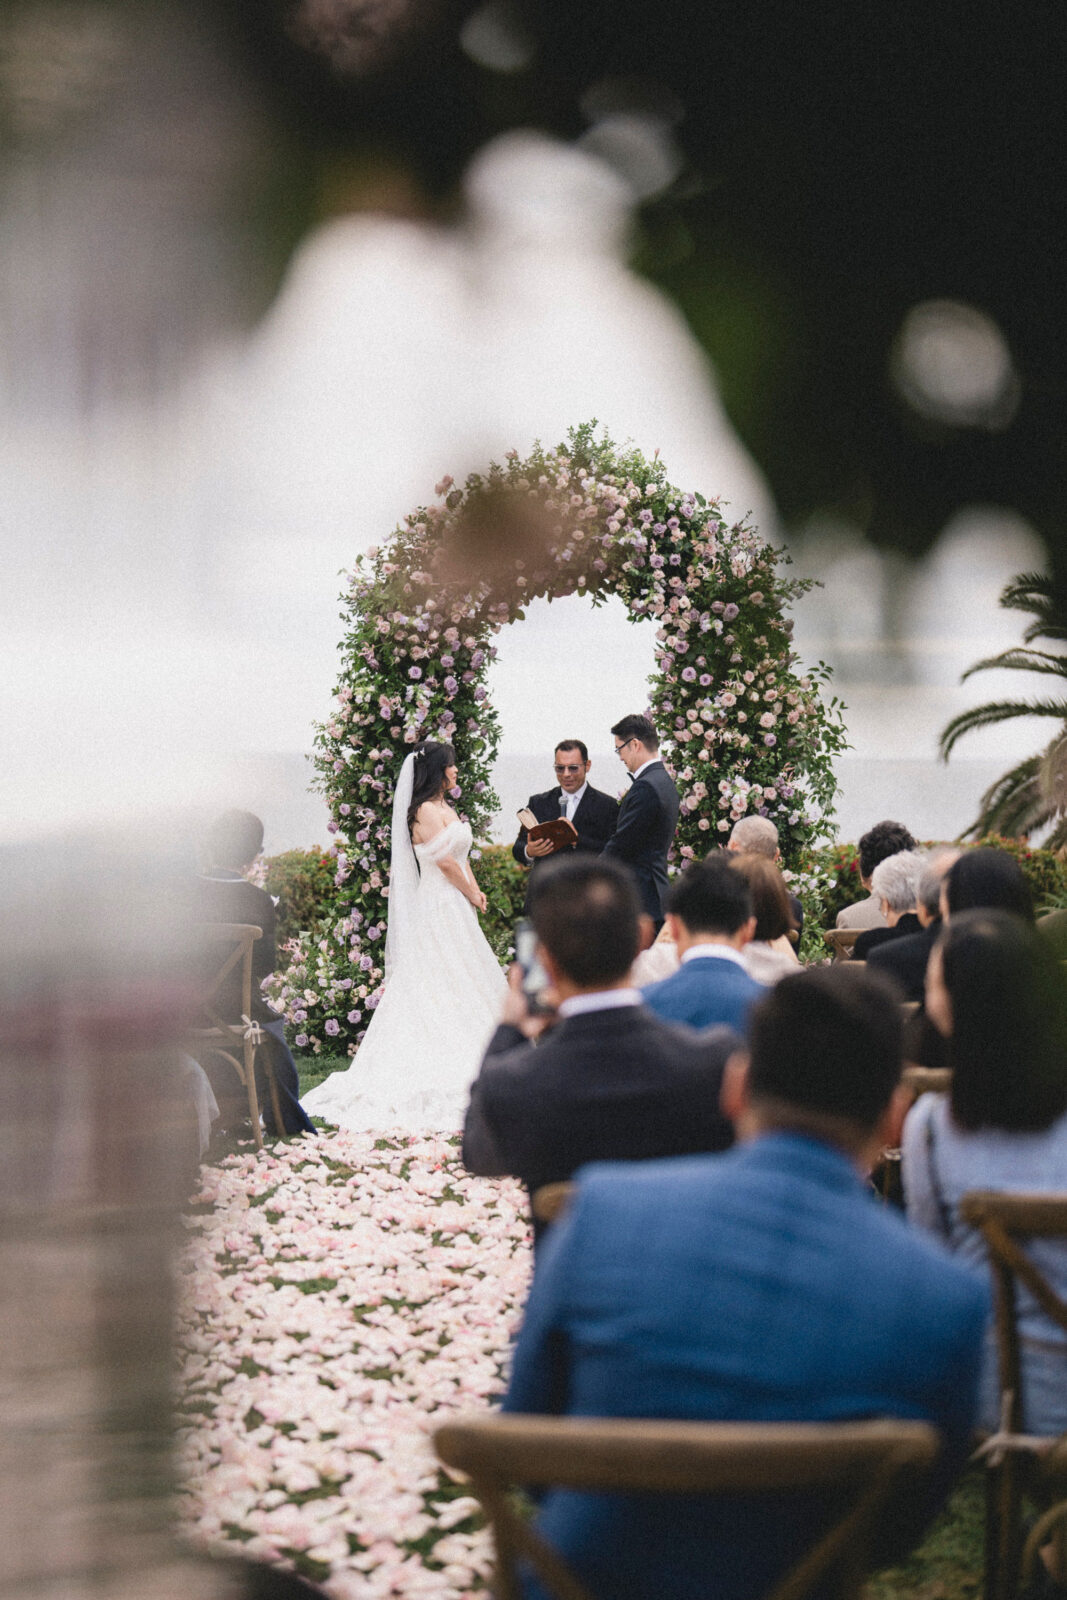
437	848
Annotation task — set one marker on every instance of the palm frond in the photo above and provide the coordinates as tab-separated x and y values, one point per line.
1034	592
1010	801
1057	839
997	711
1023	661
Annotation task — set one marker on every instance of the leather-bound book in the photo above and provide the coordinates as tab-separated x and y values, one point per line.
557	830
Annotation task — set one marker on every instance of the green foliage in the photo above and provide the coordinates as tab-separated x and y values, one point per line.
836	868
1044	869
1033	793
503	882
302	881
744	728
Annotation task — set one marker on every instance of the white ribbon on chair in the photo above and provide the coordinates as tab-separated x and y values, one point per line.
252	1030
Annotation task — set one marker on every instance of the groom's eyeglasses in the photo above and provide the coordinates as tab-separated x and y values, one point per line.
619	748
568	769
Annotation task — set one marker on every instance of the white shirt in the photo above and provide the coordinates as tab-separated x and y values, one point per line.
651	762
726	952
573	801
579	1005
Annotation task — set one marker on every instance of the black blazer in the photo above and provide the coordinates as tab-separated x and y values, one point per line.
648	817
904	960
872	938
617	1085
594	819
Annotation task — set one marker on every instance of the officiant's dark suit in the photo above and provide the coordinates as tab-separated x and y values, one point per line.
648	816
594	818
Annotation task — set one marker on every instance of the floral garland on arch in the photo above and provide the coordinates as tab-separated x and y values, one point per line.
743	730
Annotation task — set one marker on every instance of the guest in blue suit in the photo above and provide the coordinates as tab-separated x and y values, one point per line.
764	1284
710	917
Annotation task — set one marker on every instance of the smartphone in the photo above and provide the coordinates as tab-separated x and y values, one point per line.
535	979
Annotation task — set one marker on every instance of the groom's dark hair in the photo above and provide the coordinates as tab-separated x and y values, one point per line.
639	727
585	913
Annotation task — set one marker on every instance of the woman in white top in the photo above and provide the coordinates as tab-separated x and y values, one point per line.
998	997
443	984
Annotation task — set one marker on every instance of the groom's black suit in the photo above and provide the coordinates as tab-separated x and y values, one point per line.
648	817
594	820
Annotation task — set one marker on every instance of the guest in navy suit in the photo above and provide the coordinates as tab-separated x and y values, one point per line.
593	814
608	1080
648	815
765	1285
711	919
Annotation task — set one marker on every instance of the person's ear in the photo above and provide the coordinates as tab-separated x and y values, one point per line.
733	1094
746	932
646	931
674	926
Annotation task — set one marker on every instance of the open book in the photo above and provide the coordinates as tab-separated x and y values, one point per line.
557	830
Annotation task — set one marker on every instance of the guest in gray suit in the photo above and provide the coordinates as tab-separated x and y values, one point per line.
648	815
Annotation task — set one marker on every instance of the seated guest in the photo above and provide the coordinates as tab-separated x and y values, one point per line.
223	894
877	844
763	1285
658	961
998	997
608	1080
769	955
895	885
709	913
758	836
904	960
987	879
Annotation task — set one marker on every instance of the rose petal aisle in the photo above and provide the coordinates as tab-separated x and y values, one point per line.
338	1296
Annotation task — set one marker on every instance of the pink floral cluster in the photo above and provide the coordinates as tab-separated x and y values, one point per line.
725	692
339	1297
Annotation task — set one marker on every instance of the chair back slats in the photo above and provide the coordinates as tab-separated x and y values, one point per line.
865	1461
1004	1220
225	1036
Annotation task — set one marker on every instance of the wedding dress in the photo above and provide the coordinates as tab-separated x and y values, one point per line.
443	993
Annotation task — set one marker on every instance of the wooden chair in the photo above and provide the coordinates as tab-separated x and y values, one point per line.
927	1080
550	1201
841	941
863	1462
214	1034
1004	1220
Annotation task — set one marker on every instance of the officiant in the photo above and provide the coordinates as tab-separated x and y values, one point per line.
592	813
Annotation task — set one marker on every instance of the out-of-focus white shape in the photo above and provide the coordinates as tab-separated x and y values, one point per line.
640	147
495	37
952	364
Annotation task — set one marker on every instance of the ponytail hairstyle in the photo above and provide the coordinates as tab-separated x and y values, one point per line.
428	780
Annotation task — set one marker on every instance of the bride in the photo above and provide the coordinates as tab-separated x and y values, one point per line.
443	984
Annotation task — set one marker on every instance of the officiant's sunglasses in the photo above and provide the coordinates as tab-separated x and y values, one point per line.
577	767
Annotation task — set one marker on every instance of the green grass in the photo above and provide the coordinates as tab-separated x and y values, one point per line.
948	1563
313	1069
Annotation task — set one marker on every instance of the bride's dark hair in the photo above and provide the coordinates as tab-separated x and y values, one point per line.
428	779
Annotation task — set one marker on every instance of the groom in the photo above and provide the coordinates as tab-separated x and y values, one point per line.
648	815
592	813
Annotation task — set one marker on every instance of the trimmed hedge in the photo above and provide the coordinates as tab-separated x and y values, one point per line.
303	882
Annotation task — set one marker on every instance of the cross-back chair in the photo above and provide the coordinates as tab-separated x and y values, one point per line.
864	1462
235	1041
1014	1461
550	1201
841	941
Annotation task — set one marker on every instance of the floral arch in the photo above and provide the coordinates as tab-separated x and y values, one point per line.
742	731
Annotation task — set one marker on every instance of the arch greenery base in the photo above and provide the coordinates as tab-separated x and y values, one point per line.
744	730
